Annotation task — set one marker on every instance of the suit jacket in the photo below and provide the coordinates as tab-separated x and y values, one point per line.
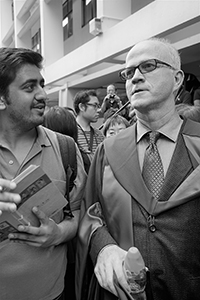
166	232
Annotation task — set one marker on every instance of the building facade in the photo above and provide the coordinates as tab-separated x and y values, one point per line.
84	42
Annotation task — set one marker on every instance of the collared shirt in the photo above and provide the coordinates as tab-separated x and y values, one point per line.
36	265
165	144
42	152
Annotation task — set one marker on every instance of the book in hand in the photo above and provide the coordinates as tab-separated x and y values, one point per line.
35	189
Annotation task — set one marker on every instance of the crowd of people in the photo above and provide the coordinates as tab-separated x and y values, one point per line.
135	182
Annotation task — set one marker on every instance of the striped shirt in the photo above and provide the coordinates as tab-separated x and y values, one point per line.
84	142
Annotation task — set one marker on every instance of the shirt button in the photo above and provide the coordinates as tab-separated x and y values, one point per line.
152	228
11	162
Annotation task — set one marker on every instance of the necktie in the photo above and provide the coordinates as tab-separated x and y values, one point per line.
153	172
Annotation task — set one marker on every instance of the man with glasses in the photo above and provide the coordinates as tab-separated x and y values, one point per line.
143	189
86	106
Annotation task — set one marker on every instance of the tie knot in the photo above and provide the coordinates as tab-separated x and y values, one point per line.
153	136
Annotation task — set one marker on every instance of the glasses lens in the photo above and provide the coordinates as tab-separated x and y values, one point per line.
128	73
147	66
95	105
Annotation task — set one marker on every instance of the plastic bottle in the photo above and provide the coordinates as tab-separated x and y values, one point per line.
135	272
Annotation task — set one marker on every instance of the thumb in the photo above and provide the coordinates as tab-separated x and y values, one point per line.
40	215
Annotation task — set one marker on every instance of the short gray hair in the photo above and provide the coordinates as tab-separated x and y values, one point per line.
172	51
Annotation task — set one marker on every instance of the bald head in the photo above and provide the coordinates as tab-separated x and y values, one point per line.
111	89
157	48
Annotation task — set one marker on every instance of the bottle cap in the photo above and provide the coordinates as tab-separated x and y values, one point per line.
134	261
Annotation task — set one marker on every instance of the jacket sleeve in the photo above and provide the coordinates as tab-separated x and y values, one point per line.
92	223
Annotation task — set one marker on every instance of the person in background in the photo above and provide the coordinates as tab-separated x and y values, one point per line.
86	106
183	96
114	125
192	84
196	96
70	110
143	189
33	260
62	120
111	103
189	111
132	115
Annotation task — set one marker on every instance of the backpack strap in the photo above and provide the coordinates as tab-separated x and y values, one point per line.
68	155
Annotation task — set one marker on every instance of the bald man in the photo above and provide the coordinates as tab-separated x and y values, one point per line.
123	208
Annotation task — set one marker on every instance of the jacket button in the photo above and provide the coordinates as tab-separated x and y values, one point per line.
152	228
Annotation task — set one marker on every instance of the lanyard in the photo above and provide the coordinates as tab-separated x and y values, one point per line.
90	142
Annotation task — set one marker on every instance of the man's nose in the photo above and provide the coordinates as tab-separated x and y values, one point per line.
138	76
41	94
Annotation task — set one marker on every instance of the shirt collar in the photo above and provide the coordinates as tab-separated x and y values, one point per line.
42	139
170	129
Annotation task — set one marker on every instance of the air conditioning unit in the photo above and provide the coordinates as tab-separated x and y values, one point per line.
95	26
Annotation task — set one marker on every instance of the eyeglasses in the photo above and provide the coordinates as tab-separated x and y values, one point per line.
145	67
95	105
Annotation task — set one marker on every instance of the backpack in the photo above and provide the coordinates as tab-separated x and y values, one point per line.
68	155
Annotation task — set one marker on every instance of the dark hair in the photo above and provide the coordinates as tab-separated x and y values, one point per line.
189	111
83	97
117	119
62	120
11	60
70	110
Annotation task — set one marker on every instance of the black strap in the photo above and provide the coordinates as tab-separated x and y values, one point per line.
68	154
91	138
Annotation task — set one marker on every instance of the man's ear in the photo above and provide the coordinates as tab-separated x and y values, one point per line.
178	80
81	106
2	103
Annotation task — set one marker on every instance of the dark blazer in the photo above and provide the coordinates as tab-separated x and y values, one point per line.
166	232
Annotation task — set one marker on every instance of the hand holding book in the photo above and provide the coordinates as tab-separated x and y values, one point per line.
46	235
36	190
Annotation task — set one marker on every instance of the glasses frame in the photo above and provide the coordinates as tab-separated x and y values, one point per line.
95	105
154	60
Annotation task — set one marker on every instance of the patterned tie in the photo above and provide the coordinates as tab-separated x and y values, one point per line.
153	172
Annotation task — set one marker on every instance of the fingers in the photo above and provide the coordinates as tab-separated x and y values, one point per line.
7	185
25	238
8	200
105	279
109	261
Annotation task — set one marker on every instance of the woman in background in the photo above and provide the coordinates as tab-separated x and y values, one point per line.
114	125
63	120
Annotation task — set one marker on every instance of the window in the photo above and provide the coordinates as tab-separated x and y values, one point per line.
36	42
89	9
12	10
67	19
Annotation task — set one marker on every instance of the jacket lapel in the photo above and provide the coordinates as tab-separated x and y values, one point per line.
122	156
180	167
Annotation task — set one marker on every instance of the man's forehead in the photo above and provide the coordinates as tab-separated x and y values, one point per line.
94	99
28	71
146	50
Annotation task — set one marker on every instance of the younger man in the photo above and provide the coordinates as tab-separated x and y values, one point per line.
33	262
